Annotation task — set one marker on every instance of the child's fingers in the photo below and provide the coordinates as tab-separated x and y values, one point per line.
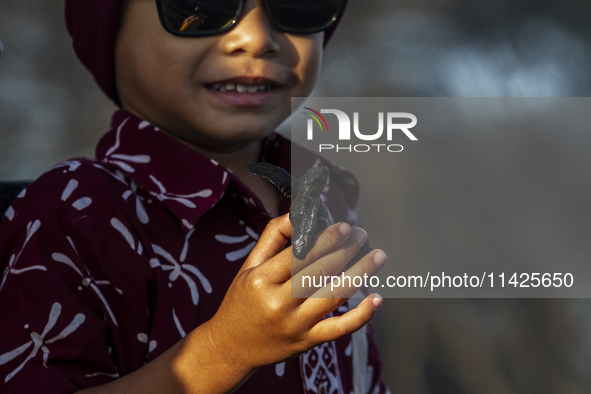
307	281
278	270
342	287
281	269
358	276
327	240
271	242
335	327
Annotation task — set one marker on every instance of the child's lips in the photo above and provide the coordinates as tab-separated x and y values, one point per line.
245	91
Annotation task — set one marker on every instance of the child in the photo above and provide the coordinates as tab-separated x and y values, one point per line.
157	266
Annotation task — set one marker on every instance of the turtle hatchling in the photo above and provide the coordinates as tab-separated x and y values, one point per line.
308	214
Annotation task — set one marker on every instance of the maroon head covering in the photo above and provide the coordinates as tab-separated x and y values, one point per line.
93	26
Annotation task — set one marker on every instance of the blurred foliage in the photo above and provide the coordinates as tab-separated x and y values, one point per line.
50	110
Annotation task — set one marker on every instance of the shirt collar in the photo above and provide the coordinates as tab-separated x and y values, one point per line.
185	181
188	183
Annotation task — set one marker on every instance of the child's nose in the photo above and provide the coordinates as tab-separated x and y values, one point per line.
253	33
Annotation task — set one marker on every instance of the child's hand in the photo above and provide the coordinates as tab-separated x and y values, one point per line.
260	322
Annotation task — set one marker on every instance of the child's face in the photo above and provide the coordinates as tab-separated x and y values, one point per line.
177	82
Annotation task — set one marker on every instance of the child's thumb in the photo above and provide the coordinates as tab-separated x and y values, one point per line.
272	241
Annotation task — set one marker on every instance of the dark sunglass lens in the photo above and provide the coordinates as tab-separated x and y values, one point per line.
198	17
304	16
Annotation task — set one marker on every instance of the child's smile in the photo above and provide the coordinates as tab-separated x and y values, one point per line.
222	92
245	91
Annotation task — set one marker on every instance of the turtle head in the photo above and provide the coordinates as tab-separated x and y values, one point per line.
314	181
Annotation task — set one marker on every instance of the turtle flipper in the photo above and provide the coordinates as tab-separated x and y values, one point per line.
305	229
277	176
324	217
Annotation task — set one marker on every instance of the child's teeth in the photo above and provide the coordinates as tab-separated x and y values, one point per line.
238	87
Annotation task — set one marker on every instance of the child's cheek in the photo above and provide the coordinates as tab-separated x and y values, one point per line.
310	51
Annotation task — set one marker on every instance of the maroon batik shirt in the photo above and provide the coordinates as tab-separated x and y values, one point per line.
111	261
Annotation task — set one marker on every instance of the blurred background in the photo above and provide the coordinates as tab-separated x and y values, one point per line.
50	110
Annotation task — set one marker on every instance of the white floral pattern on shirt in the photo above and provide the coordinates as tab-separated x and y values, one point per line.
135	249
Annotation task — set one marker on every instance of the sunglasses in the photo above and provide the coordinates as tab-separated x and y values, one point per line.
197	18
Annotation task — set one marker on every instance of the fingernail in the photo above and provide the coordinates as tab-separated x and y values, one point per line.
361	236
377	301
380	259
345	229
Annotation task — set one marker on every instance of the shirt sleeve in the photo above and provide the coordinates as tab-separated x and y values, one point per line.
62	293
